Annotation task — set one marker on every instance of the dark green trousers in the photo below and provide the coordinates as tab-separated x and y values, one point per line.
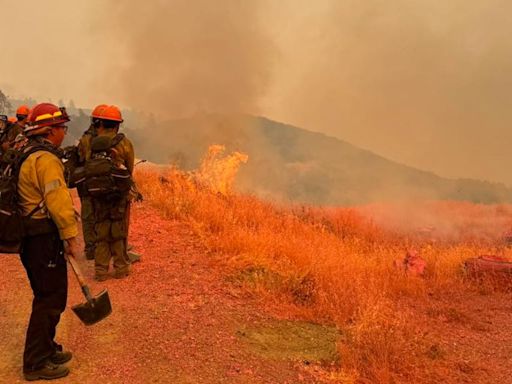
111	232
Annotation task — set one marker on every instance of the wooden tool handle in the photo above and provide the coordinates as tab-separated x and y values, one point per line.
80	278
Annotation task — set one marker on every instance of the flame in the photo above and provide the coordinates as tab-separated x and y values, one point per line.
217	171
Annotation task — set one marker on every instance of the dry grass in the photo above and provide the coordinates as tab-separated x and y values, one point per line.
336	265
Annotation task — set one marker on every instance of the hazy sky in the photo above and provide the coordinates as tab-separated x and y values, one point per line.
426	83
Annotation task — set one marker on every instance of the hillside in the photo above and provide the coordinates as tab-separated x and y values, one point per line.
288	163
293	164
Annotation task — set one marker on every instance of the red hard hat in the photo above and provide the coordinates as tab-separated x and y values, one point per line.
110	112
23	110
43	116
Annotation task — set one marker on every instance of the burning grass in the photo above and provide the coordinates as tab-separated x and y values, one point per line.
335	265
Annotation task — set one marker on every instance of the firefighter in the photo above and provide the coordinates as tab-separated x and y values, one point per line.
22	115
14	128
50	234
4	124
86	210
111	213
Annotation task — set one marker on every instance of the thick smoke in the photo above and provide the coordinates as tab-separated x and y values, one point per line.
183	57
422	82
46	52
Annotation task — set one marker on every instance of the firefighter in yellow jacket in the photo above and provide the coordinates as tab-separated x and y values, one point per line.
111	209
50	233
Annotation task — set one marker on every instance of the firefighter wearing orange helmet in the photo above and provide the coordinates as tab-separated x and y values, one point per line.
86	209
110	206
4	125
14	128
50	232
22	114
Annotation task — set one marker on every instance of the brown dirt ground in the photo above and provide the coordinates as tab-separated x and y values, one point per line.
176	320
468	337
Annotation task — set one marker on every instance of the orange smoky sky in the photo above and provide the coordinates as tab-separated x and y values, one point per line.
421	82
46	52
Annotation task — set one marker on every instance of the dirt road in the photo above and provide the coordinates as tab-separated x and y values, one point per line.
174	320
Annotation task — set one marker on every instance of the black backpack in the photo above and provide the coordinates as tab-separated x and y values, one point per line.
100	177
11	220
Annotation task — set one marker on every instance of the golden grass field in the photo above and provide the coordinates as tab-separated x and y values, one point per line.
335	266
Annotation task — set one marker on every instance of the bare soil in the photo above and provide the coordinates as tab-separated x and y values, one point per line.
178	319
175	319
468	337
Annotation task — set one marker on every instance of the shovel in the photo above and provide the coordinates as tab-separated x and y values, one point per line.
94	309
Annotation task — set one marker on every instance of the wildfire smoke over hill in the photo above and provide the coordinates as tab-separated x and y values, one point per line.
418	82
422	83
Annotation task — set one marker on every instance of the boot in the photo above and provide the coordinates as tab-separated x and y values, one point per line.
48	371
121	274
100	276
61	357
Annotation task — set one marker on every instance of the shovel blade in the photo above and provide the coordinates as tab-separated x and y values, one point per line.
95	311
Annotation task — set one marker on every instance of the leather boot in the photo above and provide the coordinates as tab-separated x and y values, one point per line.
61	357
121	274
101	276
48	371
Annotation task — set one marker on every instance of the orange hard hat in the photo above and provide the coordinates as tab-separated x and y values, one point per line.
43	116
95	114
110	112
23	110
12	119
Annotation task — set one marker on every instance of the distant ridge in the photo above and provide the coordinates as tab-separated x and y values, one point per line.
293	164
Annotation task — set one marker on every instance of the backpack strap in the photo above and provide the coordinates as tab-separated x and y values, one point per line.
26	152
117	139
38	207
38	145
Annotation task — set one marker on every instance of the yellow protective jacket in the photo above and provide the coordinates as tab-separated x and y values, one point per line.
42	177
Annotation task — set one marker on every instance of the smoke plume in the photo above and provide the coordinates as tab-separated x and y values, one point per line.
182	57
420	82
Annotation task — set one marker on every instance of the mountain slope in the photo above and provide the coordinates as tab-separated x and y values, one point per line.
290	163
